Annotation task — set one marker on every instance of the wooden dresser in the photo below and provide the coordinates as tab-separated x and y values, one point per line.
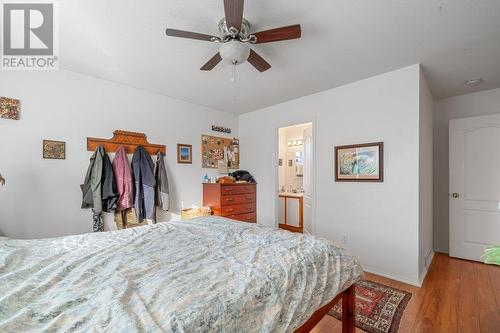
234	201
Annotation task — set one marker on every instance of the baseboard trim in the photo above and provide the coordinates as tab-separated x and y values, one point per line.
426	269
392	276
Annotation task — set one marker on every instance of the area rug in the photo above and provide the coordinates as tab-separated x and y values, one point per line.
379	308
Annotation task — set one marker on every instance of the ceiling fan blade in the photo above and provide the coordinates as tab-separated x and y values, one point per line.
274	35
234	13
258	62
189	34
212	62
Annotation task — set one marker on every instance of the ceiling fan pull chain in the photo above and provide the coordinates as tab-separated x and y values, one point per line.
234	85
233	72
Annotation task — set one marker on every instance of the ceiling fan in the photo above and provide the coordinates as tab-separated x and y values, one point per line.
235	38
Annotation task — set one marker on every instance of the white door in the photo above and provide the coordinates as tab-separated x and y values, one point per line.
308	180
474	185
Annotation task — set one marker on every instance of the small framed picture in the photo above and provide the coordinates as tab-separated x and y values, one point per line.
360	163
184	153
9	108
54	149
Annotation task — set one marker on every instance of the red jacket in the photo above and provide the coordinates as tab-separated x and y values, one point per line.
123	175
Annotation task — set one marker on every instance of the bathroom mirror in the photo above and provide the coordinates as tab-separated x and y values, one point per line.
299	158
299	163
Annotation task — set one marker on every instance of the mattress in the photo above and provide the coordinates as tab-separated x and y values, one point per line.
207	274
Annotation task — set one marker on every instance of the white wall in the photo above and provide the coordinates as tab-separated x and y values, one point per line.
469	105
42	198
379	220
426	106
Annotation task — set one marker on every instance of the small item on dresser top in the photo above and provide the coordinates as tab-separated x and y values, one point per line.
206	179
162	198
243	175
143	170
226	180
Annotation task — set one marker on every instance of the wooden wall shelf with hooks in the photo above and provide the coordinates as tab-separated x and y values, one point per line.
129	140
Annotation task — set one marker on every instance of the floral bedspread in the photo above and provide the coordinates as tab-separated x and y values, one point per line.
201	275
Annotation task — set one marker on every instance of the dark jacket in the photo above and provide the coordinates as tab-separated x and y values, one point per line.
144	180
162	198
108	186
92	185
99	188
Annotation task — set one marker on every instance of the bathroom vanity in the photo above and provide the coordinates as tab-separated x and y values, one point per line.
291	211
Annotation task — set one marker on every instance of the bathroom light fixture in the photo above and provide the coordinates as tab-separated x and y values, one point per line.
294	143
474	82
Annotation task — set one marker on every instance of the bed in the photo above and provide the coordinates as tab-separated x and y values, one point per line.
207	274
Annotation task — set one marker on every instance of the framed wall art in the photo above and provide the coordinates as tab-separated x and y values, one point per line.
184	153
215	149
9	108
54	149
221	129
359	163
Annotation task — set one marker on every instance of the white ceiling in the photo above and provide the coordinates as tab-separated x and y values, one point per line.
342	41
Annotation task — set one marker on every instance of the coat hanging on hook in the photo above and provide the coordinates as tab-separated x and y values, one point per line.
162	198
99	190
143	171
124	182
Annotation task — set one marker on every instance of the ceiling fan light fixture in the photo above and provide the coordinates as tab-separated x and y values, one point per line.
234	52
474	82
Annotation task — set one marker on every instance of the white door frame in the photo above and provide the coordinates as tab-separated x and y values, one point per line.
275	165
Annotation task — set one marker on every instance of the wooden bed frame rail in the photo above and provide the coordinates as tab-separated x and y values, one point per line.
348	326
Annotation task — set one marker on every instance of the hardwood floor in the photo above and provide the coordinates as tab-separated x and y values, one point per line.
458	296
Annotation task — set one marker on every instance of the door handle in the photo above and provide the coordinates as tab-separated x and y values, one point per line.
455	195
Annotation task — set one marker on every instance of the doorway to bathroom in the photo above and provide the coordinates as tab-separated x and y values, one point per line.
295	178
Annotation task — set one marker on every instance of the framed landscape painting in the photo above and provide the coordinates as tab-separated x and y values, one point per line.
184	154
360	163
